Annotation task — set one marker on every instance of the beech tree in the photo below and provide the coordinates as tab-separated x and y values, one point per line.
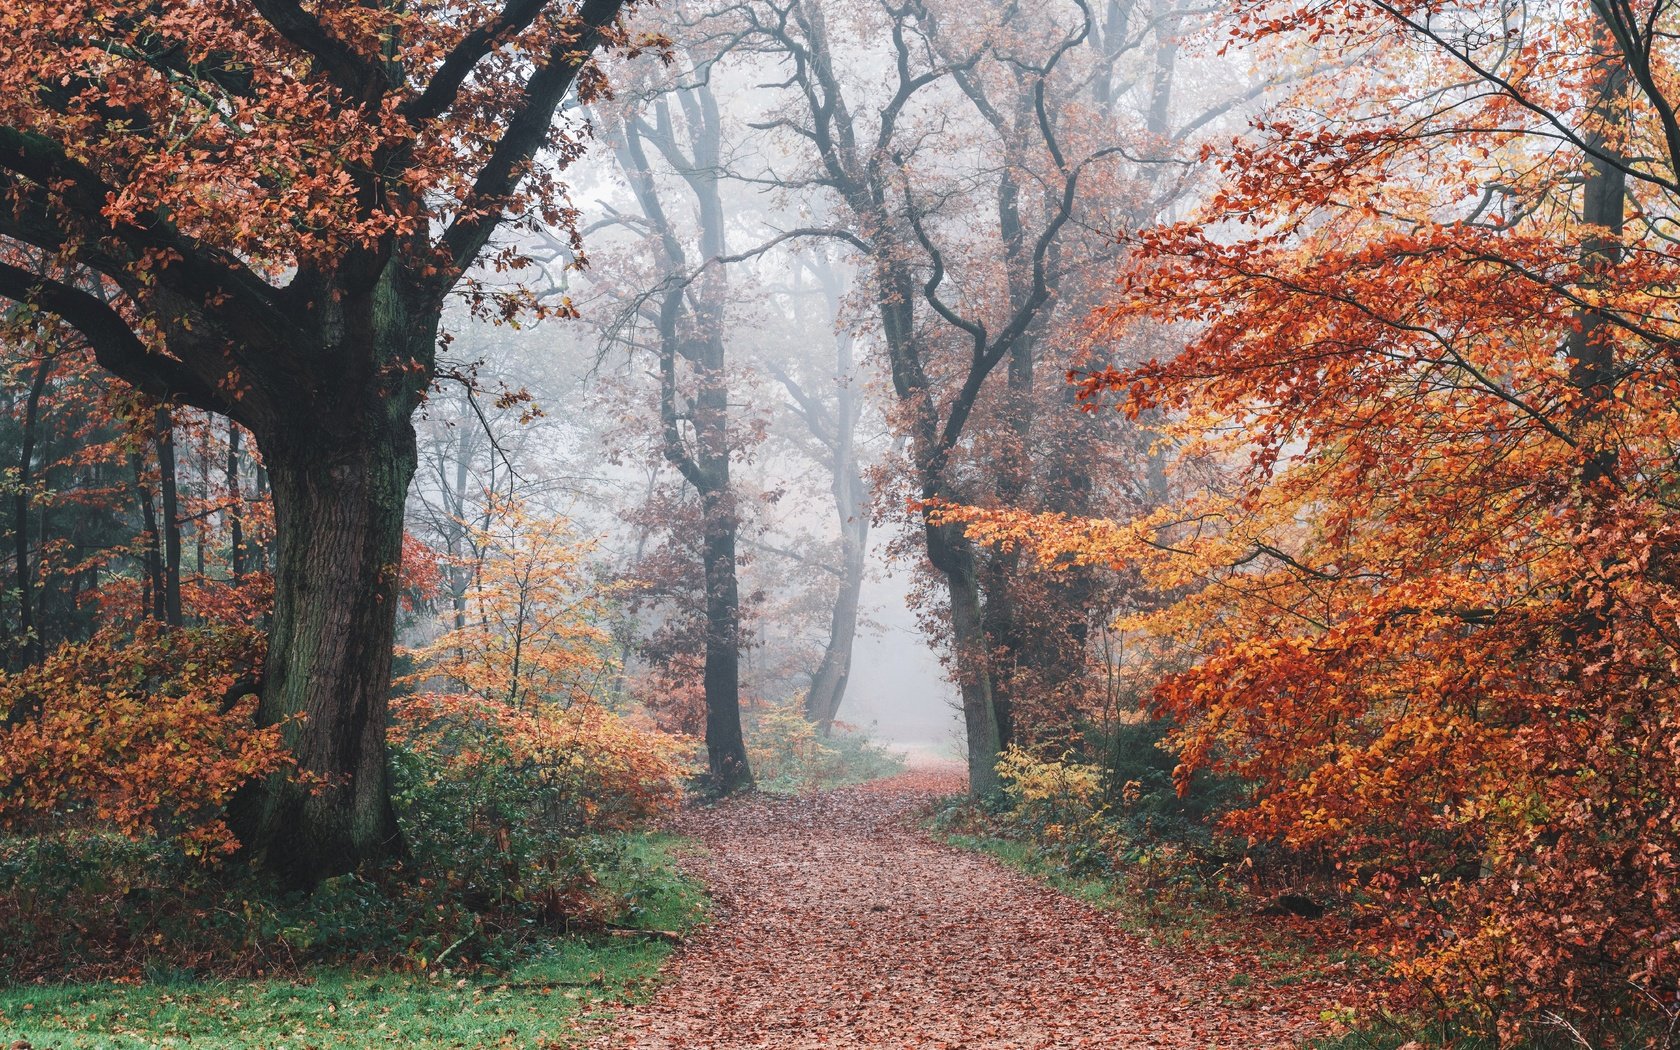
1428	621
257	208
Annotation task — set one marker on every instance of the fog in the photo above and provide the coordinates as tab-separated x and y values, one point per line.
898	691
832	259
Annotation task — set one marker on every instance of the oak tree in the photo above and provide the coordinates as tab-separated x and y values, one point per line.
257	208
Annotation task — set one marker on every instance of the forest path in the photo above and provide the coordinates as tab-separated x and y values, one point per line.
840	923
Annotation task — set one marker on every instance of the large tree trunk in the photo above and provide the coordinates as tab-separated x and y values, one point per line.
980	714
338	498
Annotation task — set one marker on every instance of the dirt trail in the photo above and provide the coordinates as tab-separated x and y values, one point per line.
840	924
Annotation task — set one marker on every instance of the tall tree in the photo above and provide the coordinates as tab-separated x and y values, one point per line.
973	187
274	200
688	318
830	410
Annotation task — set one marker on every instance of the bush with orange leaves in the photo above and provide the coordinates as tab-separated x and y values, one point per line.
508	768
597	771
148	735
505	805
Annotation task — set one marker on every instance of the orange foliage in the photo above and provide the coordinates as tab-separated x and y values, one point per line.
613	769
1425	605
531	631
147	737
673	691
519	678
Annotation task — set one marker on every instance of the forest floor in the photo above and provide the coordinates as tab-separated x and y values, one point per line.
841	922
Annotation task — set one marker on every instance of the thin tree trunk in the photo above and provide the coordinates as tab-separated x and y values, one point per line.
33	646
151	591
1591	345
828	685
264	550
460	579
201	524
236	506
164	431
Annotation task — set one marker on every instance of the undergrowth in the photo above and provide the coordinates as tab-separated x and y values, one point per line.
309	988
790	755
1117	835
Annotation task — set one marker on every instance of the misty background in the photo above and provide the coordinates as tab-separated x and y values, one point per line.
705	173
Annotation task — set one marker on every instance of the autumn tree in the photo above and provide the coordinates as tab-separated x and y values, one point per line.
532	631
683	125
258	210
1426	619
827	400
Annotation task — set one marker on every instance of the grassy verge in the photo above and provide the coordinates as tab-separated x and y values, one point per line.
1279	956
1199	913
545	1001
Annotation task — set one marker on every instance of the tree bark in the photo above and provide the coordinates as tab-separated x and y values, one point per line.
692	330
828	685
236	506
1591	348
151	591
726	749
839	434
339	495
952	554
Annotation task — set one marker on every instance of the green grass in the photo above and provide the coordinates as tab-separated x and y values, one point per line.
657	894
1135	913
1398	1033
1393	1035
547	1001
1189	912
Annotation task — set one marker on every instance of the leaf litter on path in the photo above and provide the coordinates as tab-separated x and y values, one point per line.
840	923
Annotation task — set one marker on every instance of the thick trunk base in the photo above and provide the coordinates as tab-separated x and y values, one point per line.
339	520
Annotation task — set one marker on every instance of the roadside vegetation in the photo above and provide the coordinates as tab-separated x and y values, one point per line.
1109	827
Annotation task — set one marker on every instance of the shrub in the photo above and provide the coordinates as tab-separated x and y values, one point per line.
789	753
1058	805
504	805
148	736
1138	769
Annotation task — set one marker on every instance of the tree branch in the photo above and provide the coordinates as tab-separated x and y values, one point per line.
115	346
527	129
457	66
